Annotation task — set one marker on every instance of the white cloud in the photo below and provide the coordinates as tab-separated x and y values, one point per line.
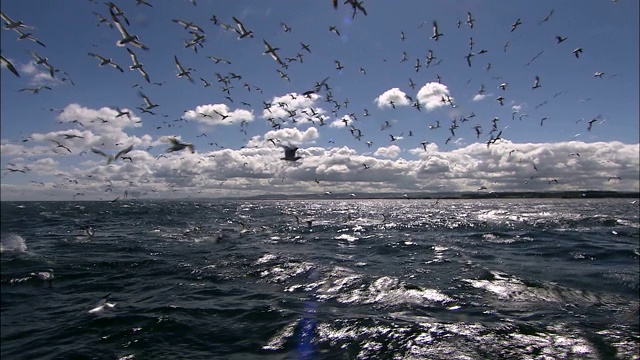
430	95
392	151
480	97
257	169
218	114
396	95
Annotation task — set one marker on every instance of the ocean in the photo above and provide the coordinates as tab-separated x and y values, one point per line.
345	279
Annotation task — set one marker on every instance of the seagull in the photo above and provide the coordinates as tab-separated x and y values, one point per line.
560	39
500	99
104	61
546	18
112	158
436	34
176	145
37	89
147	102
126	37
29	36
577	52
242	31
10	24
272	51
290	153
503	86
470	19
102	305
285	27
181	71
137	65
188	25
9	66
537	83
44	62
468	57
334	29
102	19
516	24
45	276
598	74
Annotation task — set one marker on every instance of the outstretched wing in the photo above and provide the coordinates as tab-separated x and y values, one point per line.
124	151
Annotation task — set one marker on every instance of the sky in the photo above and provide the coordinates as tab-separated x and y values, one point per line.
363	115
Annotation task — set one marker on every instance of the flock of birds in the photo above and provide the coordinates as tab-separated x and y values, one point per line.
117	19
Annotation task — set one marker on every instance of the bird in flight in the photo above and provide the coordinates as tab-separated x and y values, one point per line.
577	52
181	71
112	158
290	153
126	37
536	84
242	31
104	61
137	65
436	34
516	24
272	51
9	66
177	145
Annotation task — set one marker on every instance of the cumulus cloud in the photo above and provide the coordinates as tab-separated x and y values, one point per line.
257	169
392	151
430	95
392	97
218	114
480	97
296	108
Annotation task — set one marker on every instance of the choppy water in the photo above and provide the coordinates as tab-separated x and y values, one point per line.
392	279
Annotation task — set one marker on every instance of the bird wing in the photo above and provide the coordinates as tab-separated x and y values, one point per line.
99	152
123	152
9	66
120	27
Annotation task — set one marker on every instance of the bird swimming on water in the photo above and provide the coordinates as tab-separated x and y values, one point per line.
45	275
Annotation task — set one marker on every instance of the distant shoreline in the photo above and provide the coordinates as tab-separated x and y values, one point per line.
591	194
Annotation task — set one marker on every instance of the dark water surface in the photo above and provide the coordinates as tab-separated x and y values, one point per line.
369	279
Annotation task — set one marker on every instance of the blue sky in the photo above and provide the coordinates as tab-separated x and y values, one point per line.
240	155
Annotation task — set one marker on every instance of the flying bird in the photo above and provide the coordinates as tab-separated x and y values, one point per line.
137	65
112	158
29	36
9	66
126	37
148	103
436	34
181	71
516	24
536	84
242	31
104	61
470	20
272	51
10	24
290	153
102	305
177	145
577	52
